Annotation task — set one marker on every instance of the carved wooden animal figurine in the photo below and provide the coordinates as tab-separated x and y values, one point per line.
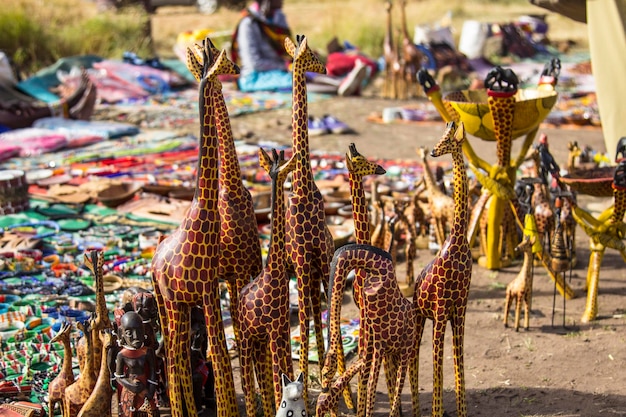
520	289
309	245
391	88
99	402
264	305
185	264
78	393
411	56
389	325
358	167
240	247
94	260
292	404
442	288
441	205
65	378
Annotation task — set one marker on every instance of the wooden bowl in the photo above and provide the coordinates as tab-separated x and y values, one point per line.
338	196
597	182
117	194
331	207
262	205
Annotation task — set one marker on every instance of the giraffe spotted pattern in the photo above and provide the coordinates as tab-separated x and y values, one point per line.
185	263
442	288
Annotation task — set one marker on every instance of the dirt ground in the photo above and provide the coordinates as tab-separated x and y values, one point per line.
559	367
549	370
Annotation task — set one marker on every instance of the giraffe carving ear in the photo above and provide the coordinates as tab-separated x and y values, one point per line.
302	46
290	47
459	135
348	162
264	160
194	54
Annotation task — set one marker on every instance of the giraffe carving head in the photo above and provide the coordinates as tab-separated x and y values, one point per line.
421	152
94	260
526	244
196	57
303	56
276	166
63	332
357	164
451	141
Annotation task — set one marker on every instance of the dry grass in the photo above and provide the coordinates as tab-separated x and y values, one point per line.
35	33
38	32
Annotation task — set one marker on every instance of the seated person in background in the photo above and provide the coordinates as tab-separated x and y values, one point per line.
258	47
18	110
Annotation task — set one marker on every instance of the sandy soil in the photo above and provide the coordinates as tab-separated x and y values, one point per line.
549	370
559	367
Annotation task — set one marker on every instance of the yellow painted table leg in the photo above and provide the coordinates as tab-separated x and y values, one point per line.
593	278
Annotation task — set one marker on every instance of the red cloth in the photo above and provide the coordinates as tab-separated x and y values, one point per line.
341	63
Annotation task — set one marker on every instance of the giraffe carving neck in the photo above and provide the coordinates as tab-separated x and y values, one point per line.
359	210
229	163
275	255
206	188
302	175
619	206
461	213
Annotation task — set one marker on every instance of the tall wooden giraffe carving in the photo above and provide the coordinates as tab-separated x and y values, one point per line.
185	265
442	288
78	393
411	56
240	247
65	378
390	325
392	64
358	167
99	402
441	205
520	289
264	305
94	260
309	244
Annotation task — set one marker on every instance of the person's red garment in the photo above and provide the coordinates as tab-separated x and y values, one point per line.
341	63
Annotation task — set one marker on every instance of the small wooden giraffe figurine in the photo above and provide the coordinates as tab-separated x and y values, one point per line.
65	378
292	404
185	265
309	245
99	402
521	288
240	247
441	205
94	260
392	65
264	305
358	167
78	393
442	288
411	56
389	325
